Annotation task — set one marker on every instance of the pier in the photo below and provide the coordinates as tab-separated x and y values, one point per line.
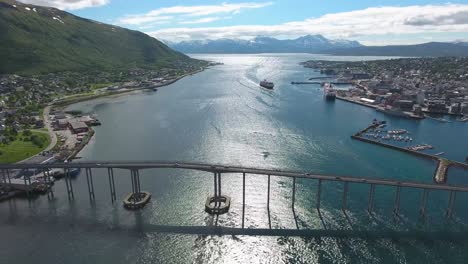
321	83
346	99
440	174
218	203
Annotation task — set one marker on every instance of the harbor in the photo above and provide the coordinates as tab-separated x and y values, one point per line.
374	134
321	83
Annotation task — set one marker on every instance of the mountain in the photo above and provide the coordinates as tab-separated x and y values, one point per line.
431	49
320	44
309	43
36	39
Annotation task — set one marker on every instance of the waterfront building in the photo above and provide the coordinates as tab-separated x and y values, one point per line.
464	108
78	127
420	97
437	107
405	105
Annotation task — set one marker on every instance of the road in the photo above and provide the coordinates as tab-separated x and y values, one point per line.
48	125
50	131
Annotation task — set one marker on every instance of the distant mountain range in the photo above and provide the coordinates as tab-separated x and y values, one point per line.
431	49
36	39
321	45
309	43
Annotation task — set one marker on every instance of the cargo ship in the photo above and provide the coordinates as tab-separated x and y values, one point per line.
328	92
266	84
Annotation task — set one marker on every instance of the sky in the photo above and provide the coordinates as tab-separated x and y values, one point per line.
371	22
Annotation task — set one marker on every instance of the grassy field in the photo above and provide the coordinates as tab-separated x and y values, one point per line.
19	150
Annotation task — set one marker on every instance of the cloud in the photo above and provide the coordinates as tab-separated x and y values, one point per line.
201	20
457	18
365	22
67	4
190	11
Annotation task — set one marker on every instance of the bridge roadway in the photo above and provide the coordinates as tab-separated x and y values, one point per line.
216	168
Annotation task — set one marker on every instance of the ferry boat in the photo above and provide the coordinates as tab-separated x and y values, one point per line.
328	92
266	84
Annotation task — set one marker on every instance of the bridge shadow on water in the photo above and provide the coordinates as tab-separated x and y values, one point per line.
216	230
319	233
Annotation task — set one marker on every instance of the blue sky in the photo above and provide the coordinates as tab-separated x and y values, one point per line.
370	22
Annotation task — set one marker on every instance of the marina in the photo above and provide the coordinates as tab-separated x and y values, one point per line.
440	174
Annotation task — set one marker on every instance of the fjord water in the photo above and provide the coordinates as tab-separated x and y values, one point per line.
222	116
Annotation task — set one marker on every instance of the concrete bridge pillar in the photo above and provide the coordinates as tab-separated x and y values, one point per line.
218	203
136	199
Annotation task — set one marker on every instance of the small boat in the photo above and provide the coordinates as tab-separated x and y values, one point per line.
266	84
440	153
73	172
155	89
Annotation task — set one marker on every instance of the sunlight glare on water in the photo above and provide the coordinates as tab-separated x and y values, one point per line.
222	116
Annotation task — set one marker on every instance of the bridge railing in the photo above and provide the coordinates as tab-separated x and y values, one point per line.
15	176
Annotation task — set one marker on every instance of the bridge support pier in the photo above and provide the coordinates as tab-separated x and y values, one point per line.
345	197
48	182
136	199
243	198
293	192
4	176
218	203
69	184
396	208
268	193
8	175
27	182
422	209
370	206
110	173
89	181
449	211
319	194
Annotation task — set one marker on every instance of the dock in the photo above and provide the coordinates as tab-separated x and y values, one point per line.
443	165
355	102
311	82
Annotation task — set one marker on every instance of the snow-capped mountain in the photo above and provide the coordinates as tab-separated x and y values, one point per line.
309	43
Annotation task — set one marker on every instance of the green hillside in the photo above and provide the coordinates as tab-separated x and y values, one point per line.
37	39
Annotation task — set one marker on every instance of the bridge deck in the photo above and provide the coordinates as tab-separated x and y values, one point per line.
216	168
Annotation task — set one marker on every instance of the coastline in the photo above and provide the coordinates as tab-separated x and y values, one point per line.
80	148
63	104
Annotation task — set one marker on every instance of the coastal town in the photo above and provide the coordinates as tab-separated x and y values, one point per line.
408	87
36	128
35	104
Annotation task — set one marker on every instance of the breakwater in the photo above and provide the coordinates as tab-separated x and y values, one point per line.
441	171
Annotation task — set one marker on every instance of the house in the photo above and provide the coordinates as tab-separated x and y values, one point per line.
78	127
61	124
39	123
60	115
